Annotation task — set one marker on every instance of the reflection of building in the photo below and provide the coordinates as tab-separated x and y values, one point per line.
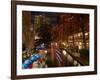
64	35
39	20
72	33
27	33
73	29
78	40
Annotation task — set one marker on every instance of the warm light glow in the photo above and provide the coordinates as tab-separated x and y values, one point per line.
63	43
56	44
80	47
86	34
36	37
64	52
87	43
79	34
45	51
80	43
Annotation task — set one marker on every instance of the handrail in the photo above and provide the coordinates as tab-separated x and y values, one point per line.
78	60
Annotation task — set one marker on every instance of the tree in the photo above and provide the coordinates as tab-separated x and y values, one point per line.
45	33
